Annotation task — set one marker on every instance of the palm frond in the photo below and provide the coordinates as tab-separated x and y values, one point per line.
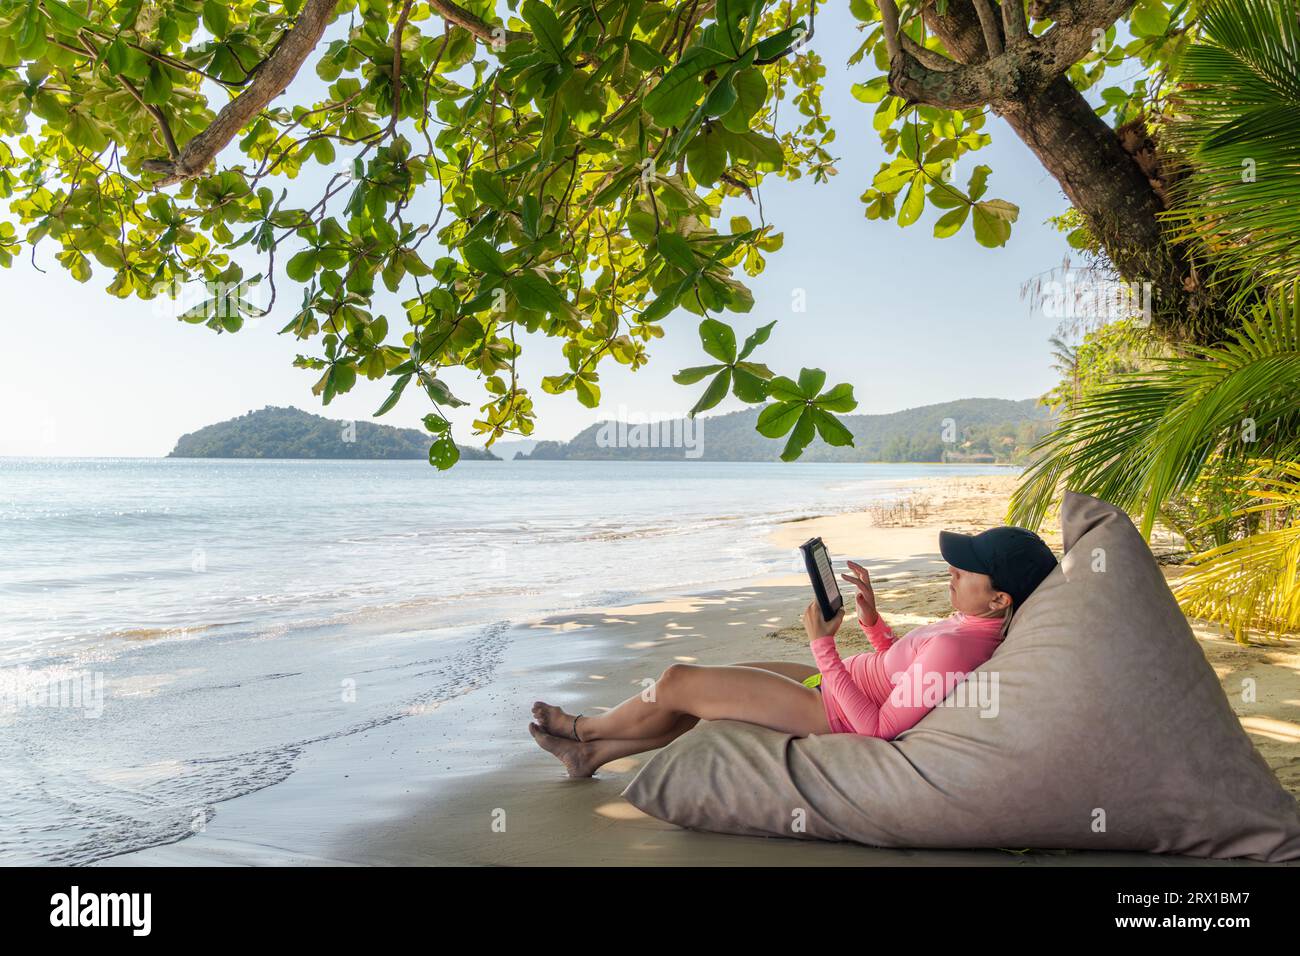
1238	125
1254	583
1147	436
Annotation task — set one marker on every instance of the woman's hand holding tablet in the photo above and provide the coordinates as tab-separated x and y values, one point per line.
822	574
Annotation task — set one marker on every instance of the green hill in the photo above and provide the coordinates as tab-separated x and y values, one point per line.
291	433
979	429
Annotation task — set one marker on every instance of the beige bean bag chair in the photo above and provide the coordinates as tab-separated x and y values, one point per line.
1097	724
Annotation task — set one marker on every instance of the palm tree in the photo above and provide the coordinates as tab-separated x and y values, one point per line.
1146	436
1238	125
1217	425
1065	359
1254	582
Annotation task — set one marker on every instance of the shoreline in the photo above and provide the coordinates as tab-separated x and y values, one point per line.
424	791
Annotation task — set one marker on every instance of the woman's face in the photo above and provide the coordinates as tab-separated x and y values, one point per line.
972	593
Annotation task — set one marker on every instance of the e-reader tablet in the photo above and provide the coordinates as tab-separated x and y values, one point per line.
822	574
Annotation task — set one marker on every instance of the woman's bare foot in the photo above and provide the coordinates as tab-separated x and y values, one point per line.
553	720
576	757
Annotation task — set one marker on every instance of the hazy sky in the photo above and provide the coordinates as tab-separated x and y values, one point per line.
907	318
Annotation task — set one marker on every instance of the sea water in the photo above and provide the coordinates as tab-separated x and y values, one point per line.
174	633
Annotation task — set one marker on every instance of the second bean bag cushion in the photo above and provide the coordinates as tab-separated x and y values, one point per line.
1102	727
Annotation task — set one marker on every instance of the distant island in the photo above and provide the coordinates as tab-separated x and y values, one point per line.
971	430
275	432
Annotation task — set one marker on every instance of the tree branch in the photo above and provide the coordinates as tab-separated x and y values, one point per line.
989	24
889	17
1014	75
398	29
1014	24
168	140
461	17
931	59
276	72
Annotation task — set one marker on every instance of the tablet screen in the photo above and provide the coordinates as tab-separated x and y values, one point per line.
826	571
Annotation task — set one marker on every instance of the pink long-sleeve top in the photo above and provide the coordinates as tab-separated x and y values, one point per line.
876	694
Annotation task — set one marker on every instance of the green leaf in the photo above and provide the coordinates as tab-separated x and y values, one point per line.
302	266
777	43
873	91
216	17
785	390
588	391
993	222
811	381
831	429
706	157
398	387
673	97
31	32
63	16
677	251
1149	18
722	97
1002	209
715	393
762	152
913	202
689	376
747	386
894	177
546	29
660	307
719	340
490	189
439	392
838	399
158	88
443	453
484	258
943	196
729	14
950	222
800	436
778	418
757	338
532	216
645	57
751	93
535	292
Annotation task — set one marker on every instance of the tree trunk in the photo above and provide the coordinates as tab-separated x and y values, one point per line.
1117	200
1106	184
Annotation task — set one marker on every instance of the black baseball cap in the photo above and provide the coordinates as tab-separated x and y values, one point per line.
1014	558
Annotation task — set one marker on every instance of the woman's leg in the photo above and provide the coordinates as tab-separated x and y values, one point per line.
711	692
794	671
694	691
558	723
584	759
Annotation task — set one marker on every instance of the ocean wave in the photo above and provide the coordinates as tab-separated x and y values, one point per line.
71	816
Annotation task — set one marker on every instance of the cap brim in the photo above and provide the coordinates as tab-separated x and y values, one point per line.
959	551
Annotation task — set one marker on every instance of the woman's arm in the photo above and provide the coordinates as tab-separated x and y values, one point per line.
907	703
878	632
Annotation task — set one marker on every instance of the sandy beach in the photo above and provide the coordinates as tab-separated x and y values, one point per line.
464	783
